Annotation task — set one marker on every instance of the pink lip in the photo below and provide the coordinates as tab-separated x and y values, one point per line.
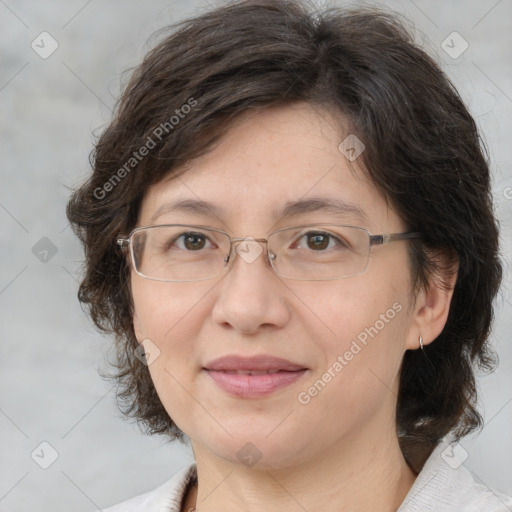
222	371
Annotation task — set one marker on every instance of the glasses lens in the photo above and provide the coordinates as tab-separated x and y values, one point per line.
191	253
179	252
322	252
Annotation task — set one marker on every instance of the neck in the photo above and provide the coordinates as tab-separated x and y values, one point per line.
357	474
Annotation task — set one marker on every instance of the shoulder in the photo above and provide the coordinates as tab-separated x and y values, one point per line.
165	498
445	485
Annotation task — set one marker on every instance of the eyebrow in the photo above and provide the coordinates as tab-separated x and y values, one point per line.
333	206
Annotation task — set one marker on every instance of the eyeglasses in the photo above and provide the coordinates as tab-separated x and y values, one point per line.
181	252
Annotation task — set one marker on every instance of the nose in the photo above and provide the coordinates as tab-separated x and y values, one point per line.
251	295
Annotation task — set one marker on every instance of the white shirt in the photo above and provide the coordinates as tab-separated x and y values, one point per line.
441	486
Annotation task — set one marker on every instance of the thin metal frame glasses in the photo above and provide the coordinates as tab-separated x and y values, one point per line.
353	250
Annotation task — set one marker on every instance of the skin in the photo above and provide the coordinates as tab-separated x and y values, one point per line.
340	451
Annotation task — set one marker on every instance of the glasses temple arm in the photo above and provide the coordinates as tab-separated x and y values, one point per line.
392	237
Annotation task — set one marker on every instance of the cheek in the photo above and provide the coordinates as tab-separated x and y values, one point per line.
169	317
161	307
165	315
364	320
345	309
172	315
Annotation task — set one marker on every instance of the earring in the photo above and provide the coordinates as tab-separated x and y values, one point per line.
421	342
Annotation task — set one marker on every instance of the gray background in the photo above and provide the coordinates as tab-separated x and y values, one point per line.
50	352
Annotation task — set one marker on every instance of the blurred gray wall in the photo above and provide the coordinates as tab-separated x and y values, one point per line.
50	104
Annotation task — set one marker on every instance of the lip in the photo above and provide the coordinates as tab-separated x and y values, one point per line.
224	370
256	363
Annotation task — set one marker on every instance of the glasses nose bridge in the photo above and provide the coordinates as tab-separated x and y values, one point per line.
248	238
234	242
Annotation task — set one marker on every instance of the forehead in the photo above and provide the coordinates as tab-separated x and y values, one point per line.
282	162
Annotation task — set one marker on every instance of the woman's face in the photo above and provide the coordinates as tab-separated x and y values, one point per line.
346	337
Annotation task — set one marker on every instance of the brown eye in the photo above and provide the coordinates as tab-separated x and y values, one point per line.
190	241
194	241
319	241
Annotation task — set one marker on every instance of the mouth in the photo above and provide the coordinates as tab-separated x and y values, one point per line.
253	377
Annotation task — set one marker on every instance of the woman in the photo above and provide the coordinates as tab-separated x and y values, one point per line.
289	230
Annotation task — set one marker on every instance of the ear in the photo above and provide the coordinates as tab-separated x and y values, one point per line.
433	304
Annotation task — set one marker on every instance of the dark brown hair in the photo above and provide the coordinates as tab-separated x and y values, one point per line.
423	152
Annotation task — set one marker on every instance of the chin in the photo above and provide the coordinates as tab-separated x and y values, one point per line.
259	451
